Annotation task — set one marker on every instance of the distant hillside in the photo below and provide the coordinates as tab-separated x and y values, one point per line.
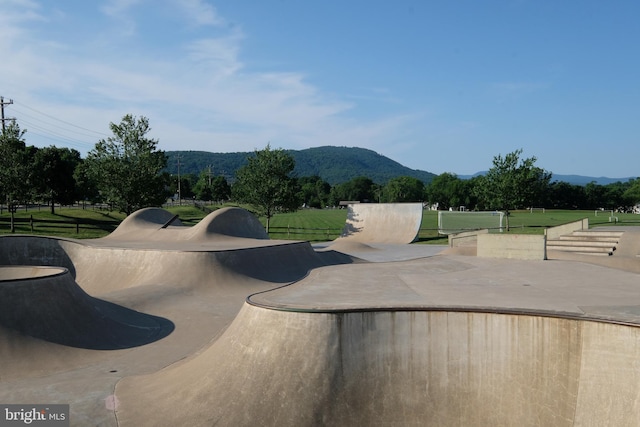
571	179
333	164
584	180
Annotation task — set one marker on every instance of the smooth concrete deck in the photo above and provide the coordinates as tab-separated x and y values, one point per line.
277	333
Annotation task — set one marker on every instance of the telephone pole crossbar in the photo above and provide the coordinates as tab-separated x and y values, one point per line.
2	118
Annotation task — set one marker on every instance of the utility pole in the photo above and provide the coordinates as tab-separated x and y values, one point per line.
2	119
179	194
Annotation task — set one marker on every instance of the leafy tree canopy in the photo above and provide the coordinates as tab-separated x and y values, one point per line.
55	168
361	189
512	183
127	166
16	171
403	189
266	183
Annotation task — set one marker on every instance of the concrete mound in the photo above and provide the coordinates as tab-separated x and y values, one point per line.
144	223
232	222
46	303
397	368
395	223
155	224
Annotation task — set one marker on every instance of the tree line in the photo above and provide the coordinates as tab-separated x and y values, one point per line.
128	172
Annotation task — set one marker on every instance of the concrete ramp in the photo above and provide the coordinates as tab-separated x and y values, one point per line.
393	223
46	303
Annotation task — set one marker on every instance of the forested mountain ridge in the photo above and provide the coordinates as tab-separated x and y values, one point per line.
335	165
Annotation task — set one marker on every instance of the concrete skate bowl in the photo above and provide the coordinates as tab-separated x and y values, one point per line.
47	303
159	224
444	368
389	223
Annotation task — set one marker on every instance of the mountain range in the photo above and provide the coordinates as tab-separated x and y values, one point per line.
333	164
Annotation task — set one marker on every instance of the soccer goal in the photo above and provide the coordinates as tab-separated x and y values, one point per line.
451	222
538	210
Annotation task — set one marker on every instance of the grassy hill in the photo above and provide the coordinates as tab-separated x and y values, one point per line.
333	164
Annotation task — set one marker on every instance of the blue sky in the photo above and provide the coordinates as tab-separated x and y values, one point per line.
442	86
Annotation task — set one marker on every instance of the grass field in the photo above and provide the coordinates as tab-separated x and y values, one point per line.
306	224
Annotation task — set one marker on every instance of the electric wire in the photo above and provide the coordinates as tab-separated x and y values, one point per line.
51	128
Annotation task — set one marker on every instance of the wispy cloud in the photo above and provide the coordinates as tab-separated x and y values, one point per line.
118	8
120	11
197	92
216	55
199	12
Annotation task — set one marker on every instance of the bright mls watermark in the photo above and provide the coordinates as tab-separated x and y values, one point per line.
34	415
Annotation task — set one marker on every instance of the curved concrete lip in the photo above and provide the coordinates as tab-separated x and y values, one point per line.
47	303
13	273
458	283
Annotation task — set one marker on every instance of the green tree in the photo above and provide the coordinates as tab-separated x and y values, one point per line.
594	195
514	183
16	168
403	189
187	185
446	190
220	189
632	194
85	184
127	167
212	188
314	191
360	189
563	195
266	183
55	169
203	187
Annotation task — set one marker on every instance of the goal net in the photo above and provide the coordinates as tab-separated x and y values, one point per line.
451	222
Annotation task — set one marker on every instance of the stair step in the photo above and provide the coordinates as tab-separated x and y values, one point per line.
572	237
582	249
580	243
598	233
584	253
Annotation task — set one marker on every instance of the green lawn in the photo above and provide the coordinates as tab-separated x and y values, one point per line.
306	224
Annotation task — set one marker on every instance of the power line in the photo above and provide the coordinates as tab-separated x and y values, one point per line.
62	121
22	113
47	126
54	136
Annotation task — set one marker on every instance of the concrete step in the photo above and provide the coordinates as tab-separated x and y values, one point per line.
573	238
588	242
582	249
598	233
551	251
582	243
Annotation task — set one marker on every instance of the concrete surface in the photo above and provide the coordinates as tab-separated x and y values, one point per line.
282	333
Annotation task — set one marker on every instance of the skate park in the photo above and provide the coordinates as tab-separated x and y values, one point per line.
163	324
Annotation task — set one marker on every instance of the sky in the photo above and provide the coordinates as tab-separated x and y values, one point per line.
440	86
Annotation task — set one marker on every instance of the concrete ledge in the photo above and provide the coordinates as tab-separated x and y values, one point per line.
561	230
466	238
516	246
